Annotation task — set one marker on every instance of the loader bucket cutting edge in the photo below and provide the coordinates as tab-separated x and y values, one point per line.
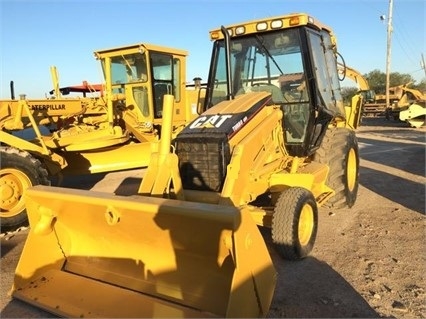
159	257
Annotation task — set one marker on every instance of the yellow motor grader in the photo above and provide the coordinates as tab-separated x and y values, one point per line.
273	144
114	130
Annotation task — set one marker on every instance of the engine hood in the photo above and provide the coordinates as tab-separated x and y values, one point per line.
227	117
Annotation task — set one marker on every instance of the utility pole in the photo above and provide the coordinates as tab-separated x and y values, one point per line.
422	64
388	57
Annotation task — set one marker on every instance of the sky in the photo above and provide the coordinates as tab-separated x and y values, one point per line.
37	34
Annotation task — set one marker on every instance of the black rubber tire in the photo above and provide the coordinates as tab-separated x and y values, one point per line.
295	223
19	170
339	150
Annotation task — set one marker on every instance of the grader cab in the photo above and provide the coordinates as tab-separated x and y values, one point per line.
189	243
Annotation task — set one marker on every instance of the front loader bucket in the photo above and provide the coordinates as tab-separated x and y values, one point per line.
91	254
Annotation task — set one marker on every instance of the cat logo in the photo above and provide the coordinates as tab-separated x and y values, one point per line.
47	107
213	121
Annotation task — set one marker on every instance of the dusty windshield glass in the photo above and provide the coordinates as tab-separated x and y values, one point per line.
269	62
129	68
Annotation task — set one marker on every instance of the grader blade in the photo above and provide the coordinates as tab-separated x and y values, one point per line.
102	255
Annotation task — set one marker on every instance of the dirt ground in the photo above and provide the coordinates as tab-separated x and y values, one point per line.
368	261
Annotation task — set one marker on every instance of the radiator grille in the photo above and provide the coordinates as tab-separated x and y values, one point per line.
203	161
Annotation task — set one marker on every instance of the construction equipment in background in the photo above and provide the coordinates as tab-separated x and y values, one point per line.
410	107
274	144
361	82
414	114
406	104
377	107
368	95
115	129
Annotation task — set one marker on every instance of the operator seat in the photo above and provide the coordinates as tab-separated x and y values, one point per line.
277	95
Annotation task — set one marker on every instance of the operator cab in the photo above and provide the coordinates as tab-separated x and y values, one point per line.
137	78
287	62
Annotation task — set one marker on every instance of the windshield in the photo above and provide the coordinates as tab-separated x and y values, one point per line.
269	62
128	68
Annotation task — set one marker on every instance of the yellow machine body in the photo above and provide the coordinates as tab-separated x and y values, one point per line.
189	244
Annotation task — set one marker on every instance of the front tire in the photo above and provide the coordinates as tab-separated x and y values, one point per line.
19	170
295	223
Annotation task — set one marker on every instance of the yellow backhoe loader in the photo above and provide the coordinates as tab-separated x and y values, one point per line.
111	131
361	82
368	95
273	144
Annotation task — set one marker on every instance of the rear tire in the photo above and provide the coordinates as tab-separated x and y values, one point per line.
295	223
339	150
19	170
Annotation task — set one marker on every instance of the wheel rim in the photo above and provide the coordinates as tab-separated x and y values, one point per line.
306	224
351	170
12	186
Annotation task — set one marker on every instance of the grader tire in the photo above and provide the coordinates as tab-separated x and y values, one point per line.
339	150
295	223
19	170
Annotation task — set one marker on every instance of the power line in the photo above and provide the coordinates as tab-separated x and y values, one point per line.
404	39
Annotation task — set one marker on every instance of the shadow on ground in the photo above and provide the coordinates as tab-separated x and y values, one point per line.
310	288
80	181
399	190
